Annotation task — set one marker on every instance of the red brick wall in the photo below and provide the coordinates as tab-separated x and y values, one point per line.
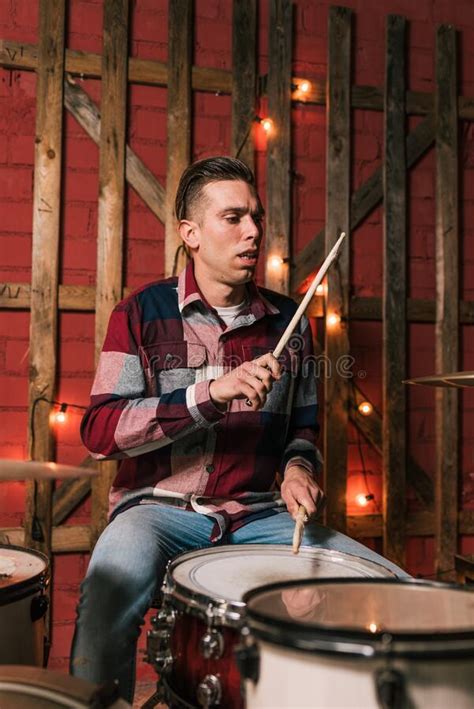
144	234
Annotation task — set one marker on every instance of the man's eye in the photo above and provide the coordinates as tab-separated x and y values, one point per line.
233	219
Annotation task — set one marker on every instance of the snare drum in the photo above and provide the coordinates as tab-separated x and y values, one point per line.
195	632
358	643
23	602
34	688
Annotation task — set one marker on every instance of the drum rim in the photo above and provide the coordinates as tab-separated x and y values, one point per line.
22	589
229	612
357	643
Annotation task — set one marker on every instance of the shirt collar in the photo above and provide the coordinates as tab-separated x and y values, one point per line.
188	293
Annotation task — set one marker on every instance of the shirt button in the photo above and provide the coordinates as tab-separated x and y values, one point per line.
210	468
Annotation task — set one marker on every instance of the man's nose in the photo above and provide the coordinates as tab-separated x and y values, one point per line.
253	227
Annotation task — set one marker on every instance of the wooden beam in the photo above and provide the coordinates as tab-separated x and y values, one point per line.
24	56
16	296
77	538
447	294
180	49
336	393
278	237
244	79
394	296
45	259
363	201
19	55
111	207
371	428
137	174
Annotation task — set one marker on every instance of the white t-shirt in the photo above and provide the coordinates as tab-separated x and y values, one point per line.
229	313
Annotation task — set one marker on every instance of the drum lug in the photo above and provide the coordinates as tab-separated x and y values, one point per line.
158	640
248	657
390	687
39	606
211	644
209	691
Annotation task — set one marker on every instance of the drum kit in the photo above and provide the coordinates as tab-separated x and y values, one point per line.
24	581
257	626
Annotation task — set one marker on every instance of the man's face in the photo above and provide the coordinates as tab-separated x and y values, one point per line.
229	232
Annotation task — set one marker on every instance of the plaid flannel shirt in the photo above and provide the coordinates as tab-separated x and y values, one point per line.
151	409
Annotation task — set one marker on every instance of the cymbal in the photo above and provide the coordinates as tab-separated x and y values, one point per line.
456	379
34	470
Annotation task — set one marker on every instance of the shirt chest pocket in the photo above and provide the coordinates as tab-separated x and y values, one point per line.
172	365
279	400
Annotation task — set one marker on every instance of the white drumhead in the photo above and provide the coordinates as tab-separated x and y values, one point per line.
19	565
228	572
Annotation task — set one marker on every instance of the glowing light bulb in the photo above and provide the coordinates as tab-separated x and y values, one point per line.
363	500
267	125
275	262
365	408
305	86
373	627
321	289
333	319
61	416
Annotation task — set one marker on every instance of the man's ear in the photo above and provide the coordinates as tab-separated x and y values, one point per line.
189	232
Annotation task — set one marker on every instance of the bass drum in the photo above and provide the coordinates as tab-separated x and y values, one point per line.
194	635
24	577
375	644
34	688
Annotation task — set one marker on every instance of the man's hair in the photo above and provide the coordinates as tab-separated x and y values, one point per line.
201	173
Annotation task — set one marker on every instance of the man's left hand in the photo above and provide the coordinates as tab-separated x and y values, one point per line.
300	488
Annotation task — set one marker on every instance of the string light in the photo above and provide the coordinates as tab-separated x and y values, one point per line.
333	319
267	125
321	289
275	262
373	627
364	499
61	415
365	408
305	86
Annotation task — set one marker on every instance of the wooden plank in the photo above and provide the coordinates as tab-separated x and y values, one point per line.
278	237
394	295
363	201
111	207
137	174
45	258
21	55
244	79
76	538
371	428
180	47
16	296
17	55
336	392
447	293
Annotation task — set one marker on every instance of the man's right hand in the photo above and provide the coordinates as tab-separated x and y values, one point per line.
252	380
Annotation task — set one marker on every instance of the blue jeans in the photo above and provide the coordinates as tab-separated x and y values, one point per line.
128	565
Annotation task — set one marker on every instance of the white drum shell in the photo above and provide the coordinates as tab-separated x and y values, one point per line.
21	638
290	678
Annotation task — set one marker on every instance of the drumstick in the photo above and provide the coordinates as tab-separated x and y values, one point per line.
304	303
301	518
308	295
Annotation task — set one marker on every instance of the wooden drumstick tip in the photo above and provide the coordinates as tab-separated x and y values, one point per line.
301	518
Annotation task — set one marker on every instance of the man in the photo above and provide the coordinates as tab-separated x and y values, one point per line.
189	398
